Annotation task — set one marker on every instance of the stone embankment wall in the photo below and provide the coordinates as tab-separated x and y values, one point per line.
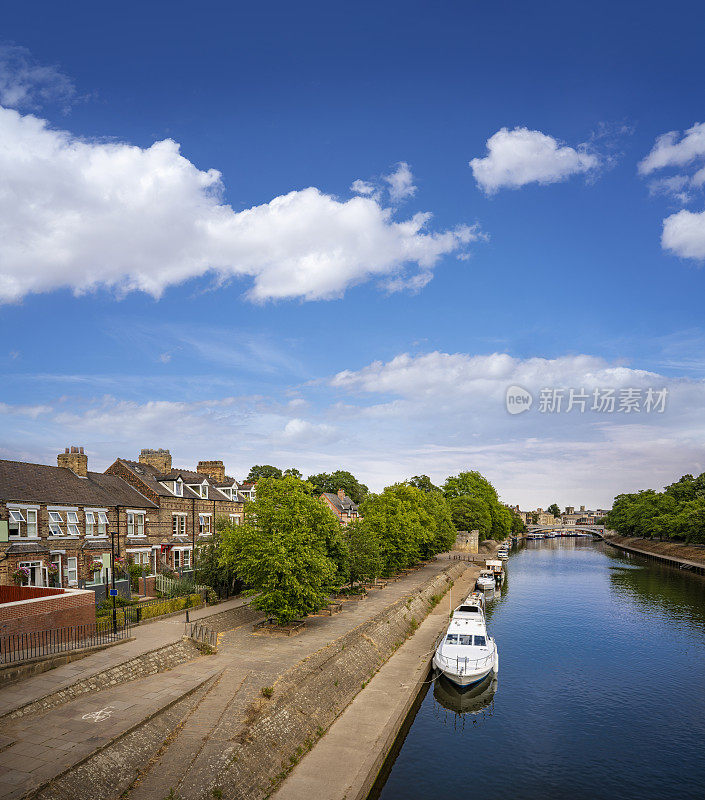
668	551
150	663
308	697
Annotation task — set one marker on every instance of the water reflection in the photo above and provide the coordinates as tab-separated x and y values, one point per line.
470	701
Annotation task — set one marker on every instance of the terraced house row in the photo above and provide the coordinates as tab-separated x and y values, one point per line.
55	521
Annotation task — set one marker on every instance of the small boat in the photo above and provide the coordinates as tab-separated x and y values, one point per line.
486	582
497	570
466	655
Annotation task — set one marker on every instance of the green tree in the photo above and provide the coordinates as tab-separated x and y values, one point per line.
209	569
470	514
363	551
292	472
281	549
553	509
340	479
422	482
262	471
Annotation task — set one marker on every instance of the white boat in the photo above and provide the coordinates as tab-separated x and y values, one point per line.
466	655
486	582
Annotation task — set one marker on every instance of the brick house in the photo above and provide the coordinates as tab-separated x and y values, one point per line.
188	505
59	519
341	505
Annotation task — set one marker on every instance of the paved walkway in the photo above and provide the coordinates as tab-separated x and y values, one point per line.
345	762
146	637
198	751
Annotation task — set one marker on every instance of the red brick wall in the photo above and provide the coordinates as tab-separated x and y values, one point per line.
11	594
69	608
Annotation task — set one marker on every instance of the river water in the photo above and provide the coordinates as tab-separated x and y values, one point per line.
600	692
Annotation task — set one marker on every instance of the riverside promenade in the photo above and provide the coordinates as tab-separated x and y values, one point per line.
346	761
185	728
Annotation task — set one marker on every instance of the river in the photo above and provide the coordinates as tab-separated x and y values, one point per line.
600	692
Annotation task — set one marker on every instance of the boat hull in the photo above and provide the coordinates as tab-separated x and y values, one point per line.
468	680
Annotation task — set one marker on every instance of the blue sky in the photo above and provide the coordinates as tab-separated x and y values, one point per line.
143	305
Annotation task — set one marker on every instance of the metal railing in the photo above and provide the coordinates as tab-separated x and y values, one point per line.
201	633
464	665
36	644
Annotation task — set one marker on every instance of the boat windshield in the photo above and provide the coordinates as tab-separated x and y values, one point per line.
461	638
469	609
480	641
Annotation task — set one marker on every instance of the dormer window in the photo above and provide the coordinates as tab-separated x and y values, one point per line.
179	488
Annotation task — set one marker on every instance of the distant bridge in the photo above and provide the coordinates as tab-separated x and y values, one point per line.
597	531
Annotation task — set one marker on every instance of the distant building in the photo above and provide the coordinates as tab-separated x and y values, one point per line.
341	505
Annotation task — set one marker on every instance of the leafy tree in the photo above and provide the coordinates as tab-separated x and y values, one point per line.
364	552
534	517
470	514
474	485
292	472
340	479
209	571
409	523
517	523
281	549
422	482
262	471
553	509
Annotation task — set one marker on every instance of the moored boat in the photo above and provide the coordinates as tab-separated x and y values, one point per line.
486	582
466	655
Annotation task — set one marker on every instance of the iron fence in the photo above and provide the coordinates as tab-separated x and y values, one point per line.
36	644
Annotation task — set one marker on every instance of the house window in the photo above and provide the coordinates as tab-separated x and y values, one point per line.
177	559
235	519
178	524
55	522
90	523
135	524
186	557
16	520
32	522
178	488
72	523
102	523
204	524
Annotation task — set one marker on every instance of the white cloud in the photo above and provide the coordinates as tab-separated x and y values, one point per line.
362	187
434	413
669	151
684	234
521	156
83	215
26	84
400	183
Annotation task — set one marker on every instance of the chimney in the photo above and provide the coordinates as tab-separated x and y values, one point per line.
341	494
582	508
75	459
159	459
213	469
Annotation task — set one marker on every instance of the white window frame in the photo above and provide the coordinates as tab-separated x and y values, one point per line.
33	524
179	488
102	523
90	522
72	523
178	524
203	528
235	519
135	523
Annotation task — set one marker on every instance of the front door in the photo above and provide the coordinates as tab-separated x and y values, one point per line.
37	572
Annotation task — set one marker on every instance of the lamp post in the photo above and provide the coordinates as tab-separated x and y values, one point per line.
113	591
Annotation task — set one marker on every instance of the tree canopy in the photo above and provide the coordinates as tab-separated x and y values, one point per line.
474	502
289	549
340	479
422	482
554	509
678	512
262	471
409	523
